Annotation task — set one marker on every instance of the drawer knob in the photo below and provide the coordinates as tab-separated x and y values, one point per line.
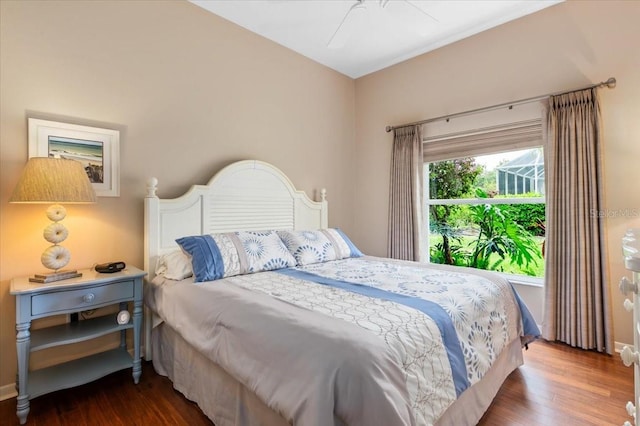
629	356
88	298
628	305
631	409
627	286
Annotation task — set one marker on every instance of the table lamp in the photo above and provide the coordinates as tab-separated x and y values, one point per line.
54	180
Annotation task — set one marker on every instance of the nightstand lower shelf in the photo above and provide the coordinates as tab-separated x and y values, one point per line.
77	372
75	332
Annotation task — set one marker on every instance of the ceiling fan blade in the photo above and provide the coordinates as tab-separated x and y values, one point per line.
409	15
352	20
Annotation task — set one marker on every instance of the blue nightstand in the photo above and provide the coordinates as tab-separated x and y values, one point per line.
91	291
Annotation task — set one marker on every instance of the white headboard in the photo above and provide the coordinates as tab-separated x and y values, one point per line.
244	196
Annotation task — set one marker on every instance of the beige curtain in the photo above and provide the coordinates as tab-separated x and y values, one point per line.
577	295
405	194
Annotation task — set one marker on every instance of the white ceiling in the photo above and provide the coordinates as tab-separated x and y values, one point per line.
372	37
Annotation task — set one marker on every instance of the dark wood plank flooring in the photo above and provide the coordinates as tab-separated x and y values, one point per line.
558	385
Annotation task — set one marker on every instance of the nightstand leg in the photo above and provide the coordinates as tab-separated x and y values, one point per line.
137	331
23	345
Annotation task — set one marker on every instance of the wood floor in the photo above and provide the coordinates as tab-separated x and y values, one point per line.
557	385
560	385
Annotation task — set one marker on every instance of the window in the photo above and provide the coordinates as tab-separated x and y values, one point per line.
488	211
484	191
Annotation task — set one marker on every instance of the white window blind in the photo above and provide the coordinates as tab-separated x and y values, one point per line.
502	131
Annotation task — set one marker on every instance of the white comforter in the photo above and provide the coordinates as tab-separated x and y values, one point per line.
312	351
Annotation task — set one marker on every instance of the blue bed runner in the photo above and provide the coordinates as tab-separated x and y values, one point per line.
529	327
433	310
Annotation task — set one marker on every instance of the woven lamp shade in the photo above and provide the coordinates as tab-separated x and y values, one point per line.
53	180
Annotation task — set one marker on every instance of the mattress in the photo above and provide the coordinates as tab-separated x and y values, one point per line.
353	341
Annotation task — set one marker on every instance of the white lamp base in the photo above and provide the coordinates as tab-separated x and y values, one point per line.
54	276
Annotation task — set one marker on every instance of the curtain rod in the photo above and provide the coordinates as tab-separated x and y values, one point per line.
610	83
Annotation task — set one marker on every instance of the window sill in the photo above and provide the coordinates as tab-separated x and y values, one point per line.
523	279
512	278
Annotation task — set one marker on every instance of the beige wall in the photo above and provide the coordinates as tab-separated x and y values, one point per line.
189	92
185	87
566	46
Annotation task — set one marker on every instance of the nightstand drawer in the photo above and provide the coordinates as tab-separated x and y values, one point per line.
81	299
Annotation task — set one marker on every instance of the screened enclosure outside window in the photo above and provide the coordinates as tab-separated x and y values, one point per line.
521	175
488	211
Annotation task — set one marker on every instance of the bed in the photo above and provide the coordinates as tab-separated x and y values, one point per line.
263	315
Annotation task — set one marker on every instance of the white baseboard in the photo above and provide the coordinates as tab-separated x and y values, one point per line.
8	391
619	345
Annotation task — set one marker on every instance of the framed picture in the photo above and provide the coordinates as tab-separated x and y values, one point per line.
97	149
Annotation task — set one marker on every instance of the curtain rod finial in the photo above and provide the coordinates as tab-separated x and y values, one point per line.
611	83
388	129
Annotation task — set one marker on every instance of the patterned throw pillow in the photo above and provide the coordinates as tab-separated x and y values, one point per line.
308	246
317	246
229	254
263	251
223	255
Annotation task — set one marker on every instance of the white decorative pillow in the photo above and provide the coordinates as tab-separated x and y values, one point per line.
223	255
263	251
174	265
316	246
308	246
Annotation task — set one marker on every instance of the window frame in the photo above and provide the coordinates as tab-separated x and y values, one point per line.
492	131
513	278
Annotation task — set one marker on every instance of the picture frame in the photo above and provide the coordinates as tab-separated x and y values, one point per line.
97	149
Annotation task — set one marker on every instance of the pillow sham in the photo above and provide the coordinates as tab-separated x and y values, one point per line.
320	245
223	255
263	251
174	265
346	247
308	247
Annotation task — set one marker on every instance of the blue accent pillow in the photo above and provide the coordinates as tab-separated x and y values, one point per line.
206	259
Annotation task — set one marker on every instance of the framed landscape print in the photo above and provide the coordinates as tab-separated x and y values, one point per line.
97	149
